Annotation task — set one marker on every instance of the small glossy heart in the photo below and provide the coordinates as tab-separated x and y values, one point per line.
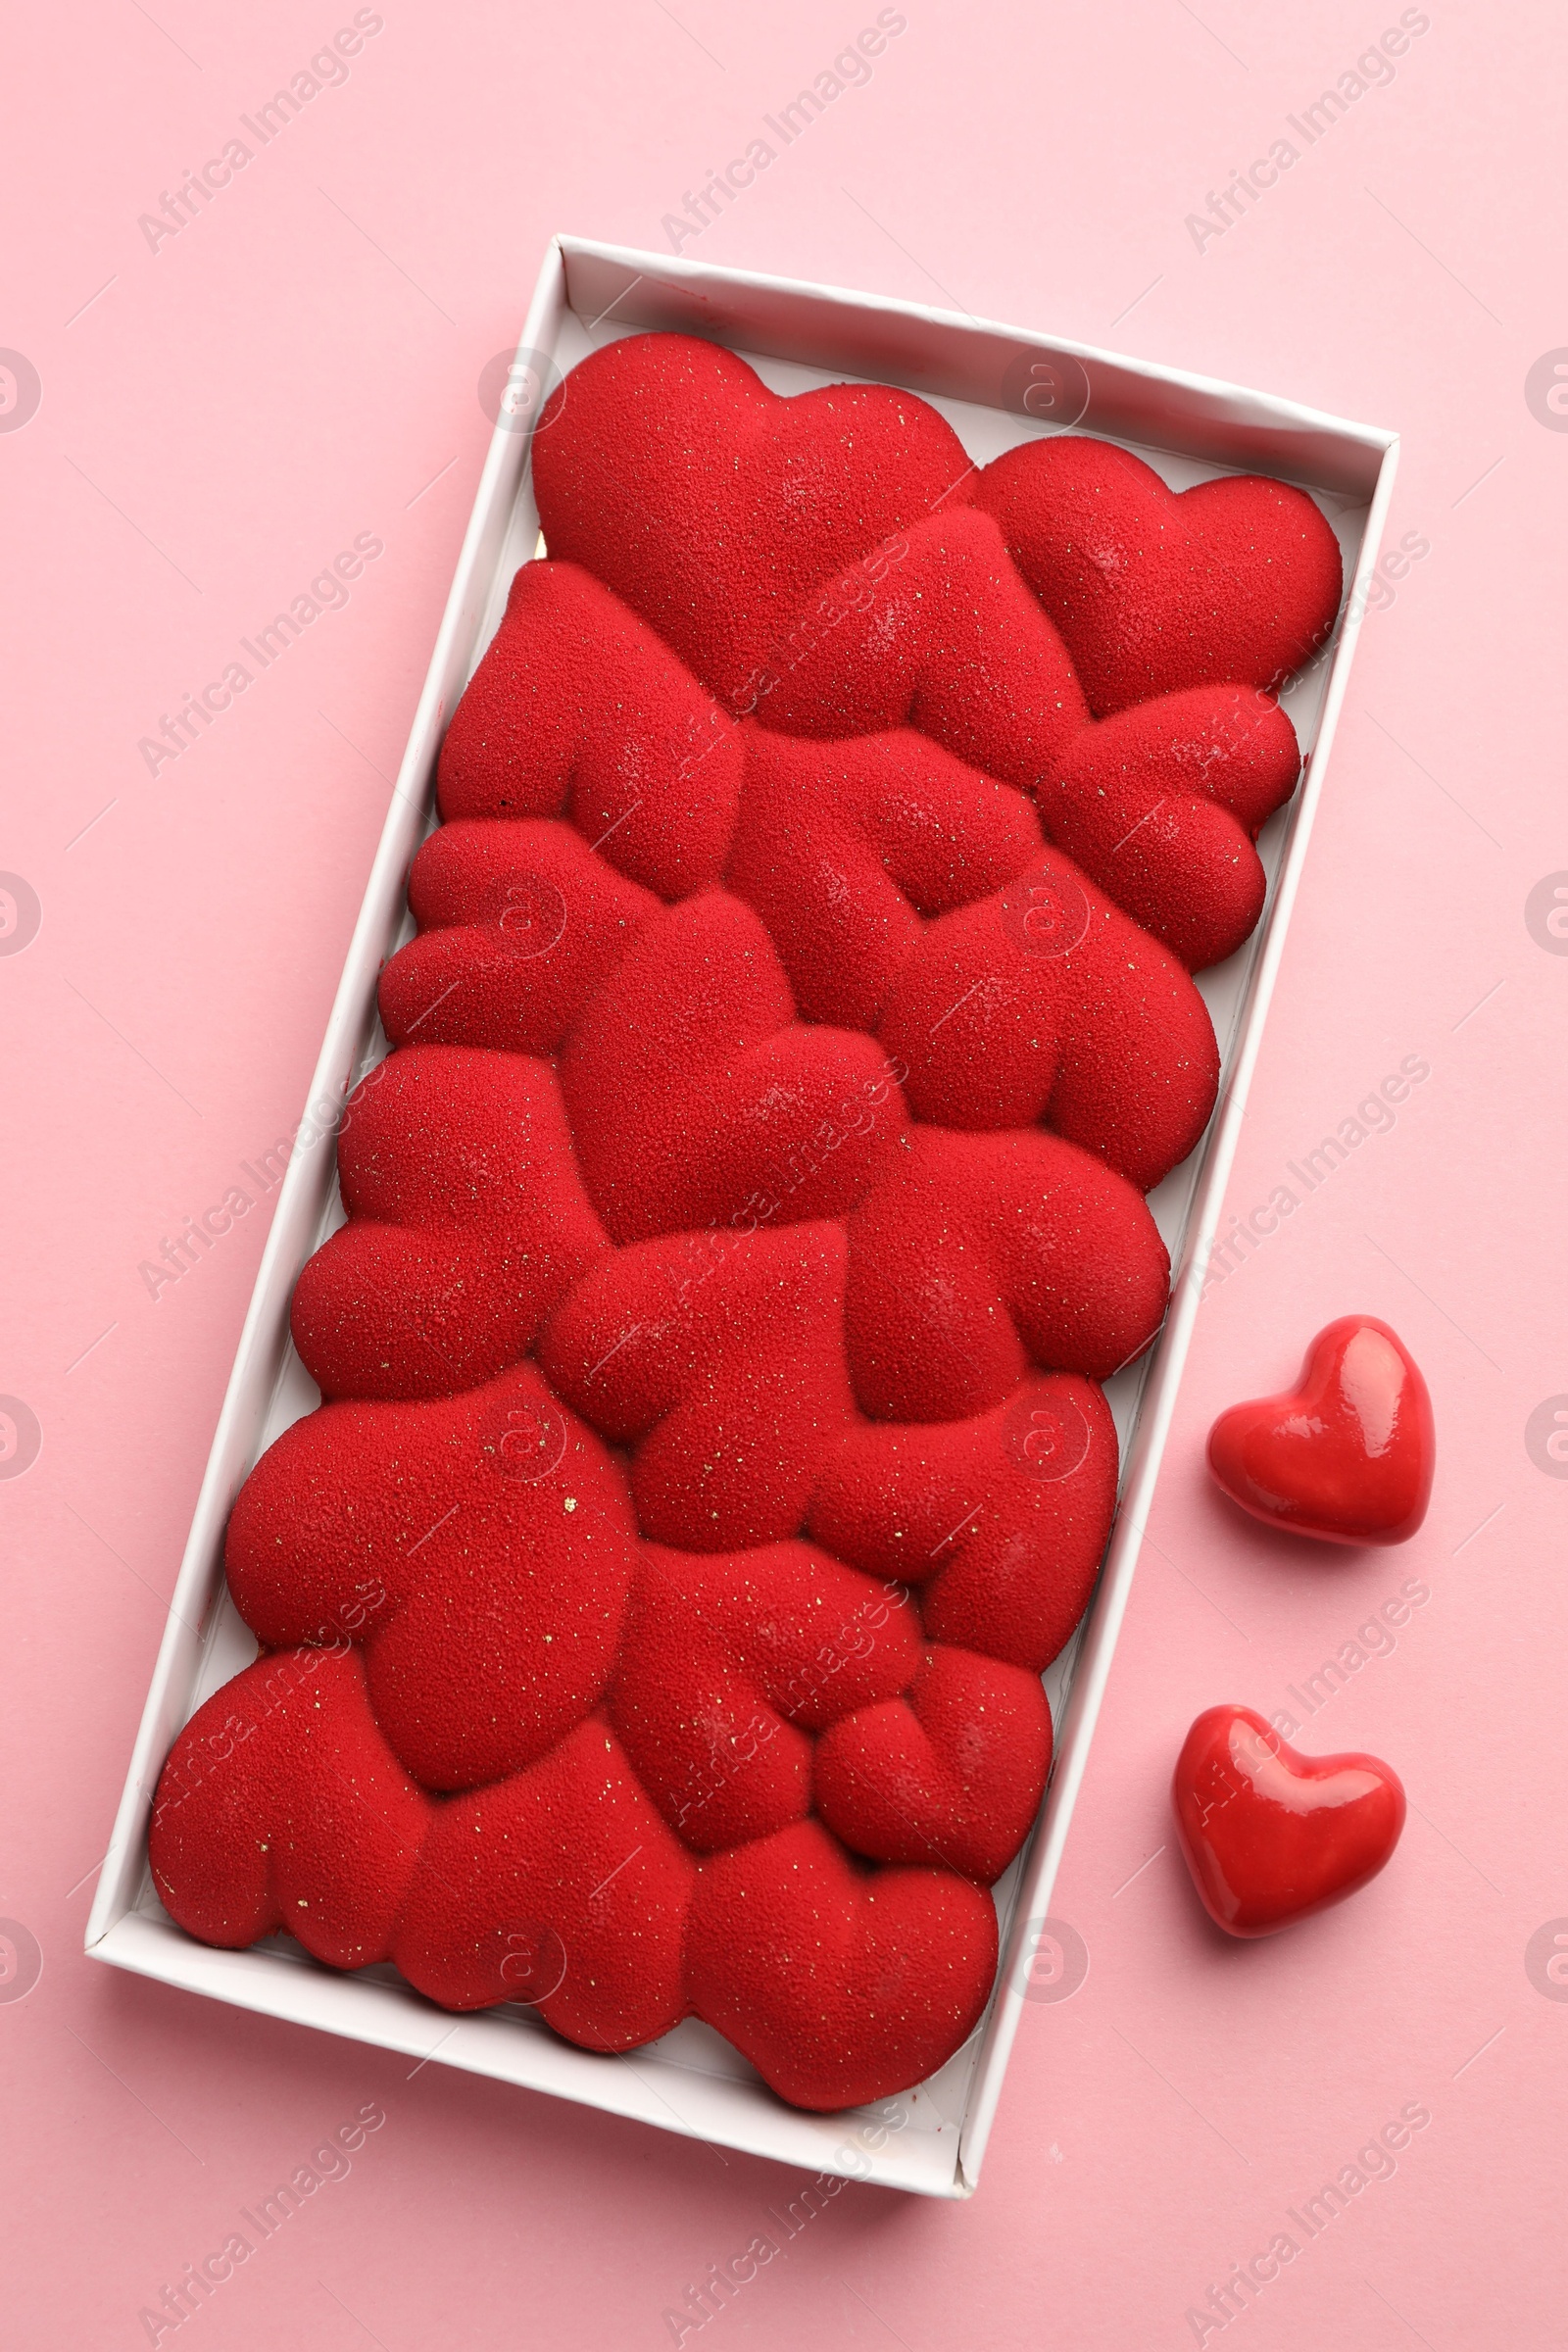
1347	1454
1270	1835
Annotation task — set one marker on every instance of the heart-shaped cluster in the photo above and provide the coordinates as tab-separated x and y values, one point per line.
711	1452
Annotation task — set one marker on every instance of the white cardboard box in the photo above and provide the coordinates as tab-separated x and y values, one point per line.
980	376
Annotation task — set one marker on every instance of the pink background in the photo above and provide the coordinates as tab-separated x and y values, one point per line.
300	366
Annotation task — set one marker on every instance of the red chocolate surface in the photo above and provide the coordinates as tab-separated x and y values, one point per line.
712	1453
1156	590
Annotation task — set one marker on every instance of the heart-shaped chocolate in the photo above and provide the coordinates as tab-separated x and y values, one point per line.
453	1254
1347	1454
712	1456
713	507
839	1985
1272	1835
729	1664
953	1772
489	1615
1154	589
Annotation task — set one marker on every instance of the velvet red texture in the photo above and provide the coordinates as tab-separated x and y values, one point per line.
712	1452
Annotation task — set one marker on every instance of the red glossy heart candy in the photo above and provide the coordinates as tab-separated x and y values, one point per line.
1347	1454
1270	1835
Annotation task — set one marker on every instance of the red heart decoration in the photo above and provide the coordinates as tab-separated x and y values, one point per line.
831	563
713	507
837	1984
649	763
1156	589
490	1616
1162	805
1270	1835
1346	1455
455	1252
560	1886
712	1455
724	1673
952	1771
